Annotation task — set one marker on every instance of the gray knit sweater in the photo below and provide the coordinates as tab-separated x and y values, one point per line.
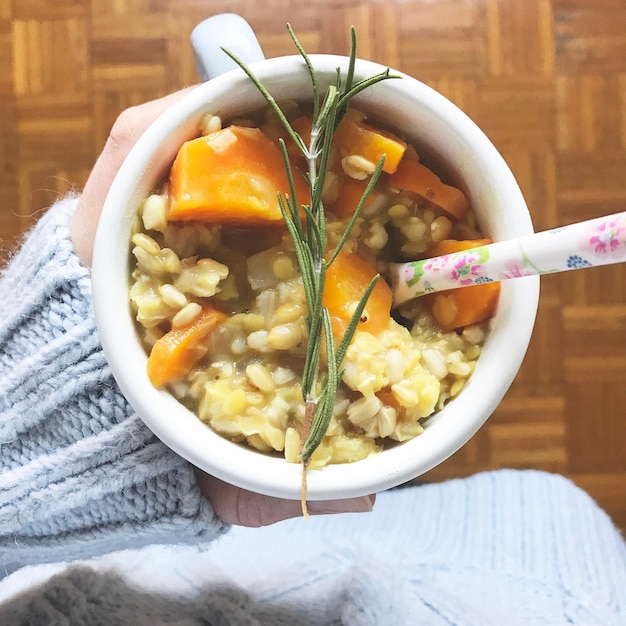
80	476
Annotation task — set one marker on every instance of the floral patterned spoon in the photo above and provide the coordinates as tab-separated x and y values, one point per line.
599	241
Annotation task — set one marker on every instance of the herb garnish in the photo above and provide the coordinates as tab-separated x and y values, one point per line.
309	240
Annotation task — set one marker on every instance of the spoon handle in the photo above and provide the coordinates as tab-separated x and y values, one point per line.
599	241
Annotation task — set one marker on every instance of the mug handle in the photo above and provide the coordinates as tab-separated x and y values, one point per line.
229	31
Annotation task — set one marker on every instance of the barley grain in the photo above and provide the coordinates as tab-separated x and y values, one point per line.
172	297
188	314
210	124
357	166
146	243
284	336
154	212
440	228
258	341
260	377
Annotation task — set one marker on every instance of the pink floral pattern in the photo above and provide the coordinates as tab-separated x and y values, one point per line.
437	264
607	238
515	269
466	269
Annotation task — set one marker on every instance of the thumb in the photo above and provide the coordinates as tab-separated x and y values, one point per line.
247	508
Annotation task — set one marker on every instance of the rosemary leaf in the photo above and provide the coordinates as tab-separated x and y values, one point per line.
342	108
268	96
310	372
325	155
312	73
364	84
293	202
350	74
314	327
314	232
303	255
326	402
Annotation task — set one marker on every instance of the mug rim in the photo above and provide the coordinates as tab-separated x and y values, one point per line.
229	461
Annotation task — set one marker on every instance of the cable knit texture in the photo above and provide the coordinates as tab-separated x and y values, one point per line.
80	474
499	548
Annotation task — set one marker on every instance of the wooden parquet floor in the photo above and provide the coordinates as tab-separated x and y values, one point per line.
545	79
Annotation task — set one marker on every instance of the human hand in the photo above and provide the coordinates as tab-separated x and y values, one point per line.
231	504
127	129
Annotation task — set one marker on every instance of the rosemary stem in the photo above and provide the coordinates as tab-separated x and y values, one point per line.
312	393
310	242
310	408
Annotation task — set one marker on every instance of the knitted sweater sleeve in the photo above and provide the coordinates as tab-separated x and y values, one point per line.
80	474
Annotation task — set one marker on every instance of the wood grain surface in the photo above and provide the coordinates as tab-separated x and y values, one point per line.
545	79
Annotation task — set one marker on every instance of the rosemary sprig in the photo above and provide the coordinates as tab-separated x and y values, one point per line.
309	240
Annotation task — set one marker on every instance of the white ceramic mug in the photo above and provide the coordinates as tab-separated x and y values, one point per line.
440	131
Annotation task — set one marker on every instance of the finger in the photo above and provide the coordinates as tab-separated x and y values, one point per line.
246	508
128	127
